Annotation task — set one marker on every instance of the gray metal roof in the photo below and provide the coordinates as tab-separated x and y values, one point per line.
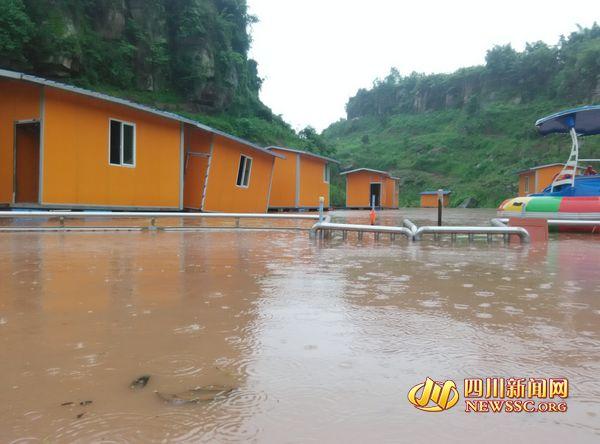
167	115
429	193
306	153
539	167
385	173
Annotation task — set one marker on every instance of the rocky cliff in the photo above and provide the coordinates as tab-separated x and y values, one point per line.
194	48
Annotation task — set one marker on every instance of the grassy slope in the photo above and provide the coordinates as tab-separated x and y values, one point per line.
473	155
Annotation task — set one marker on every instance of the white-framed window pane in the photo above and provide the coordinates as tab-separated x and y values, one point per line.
241	169
326	173
128	144
115	142
247	172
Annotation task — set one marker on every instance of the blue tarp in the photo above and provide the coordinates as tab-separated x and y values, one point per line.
585	120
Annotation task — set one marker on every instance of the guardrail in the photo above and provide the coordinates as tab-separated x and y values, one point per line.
321	227
410	225
500	221
62	216
472	231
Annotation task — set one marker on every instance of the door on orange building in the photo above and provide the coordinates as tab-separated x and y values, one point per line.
27	162
196	165
375	193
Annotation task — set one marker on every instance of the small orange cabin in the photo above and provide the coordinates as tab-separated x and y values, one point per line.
429	199
534	180
365	187
299	179
67	147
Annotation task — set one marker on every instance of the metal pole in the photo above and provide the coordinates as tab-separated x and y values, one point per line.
440	194
321	203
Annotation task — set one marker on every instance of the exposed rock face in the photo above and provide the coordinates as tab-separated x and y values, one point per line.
194	47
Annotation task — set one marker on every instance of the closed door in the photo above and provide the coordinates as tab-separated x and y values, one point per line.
27	162
195	177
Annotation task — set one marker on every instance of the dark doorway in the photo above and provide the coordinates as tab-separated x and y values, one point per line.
375	194
27	162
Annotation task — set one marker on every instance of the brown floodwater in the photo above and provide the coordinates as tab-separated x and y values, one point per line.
320	340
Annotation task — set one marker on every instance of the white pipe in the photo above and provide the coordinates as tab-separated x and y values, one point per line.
157	214
328	226
559	222
410	225
519	231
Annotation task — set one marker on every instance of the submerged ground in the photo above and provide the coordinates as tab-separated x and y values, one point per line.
320	341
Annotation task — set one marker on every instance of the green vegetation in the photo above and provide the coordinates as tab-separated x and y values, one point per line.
470	131
186	56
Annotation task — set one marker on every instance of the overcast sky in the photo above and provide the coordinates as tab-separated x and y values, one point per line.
315	54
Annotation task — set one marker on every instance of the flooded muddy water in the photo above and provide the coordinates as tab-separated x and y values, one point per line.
315	341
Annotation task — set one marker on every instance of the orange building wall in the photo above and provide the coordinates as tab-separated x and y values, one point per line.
196	141
312	183
283	188
431	200
522	180
358	189
76	155
285	180
390	199
18	101
222	193
545	176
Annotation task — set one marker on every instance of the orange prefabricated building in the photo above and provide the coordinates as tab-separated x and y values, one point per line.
534	180
429	199
364	184
67	147
299	179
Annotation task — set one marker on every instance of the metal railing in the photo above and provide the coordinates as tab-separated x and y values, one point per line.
500	221
320	228
410	225
152	217
472	231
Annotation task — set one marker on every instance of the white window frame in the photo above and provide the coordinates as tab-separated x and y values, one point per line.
526	184
122	122
327	173
244	158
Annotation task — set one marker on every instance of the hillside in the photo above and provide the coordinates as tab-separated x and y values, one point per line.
471	130
187	56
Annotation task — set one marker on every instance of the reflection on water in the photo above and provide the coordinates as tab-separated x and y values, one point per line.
321	341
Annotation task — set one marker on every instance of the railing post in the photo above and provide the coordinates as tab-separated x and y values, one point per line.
321	203
440	194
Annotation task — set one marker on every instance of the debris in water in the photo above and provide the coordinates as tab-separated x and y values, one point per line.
80	415
140	382
67	403
88	402
198	394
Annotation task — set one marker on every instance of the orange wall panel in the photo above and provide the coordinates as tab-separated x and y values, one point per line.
18	101
222	193
312	185
195	169
431	200
545	176
76	155
522	182
283	188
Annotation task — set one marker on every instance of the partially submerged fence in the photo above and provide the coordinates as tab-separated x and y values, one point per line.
60	218
322	228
